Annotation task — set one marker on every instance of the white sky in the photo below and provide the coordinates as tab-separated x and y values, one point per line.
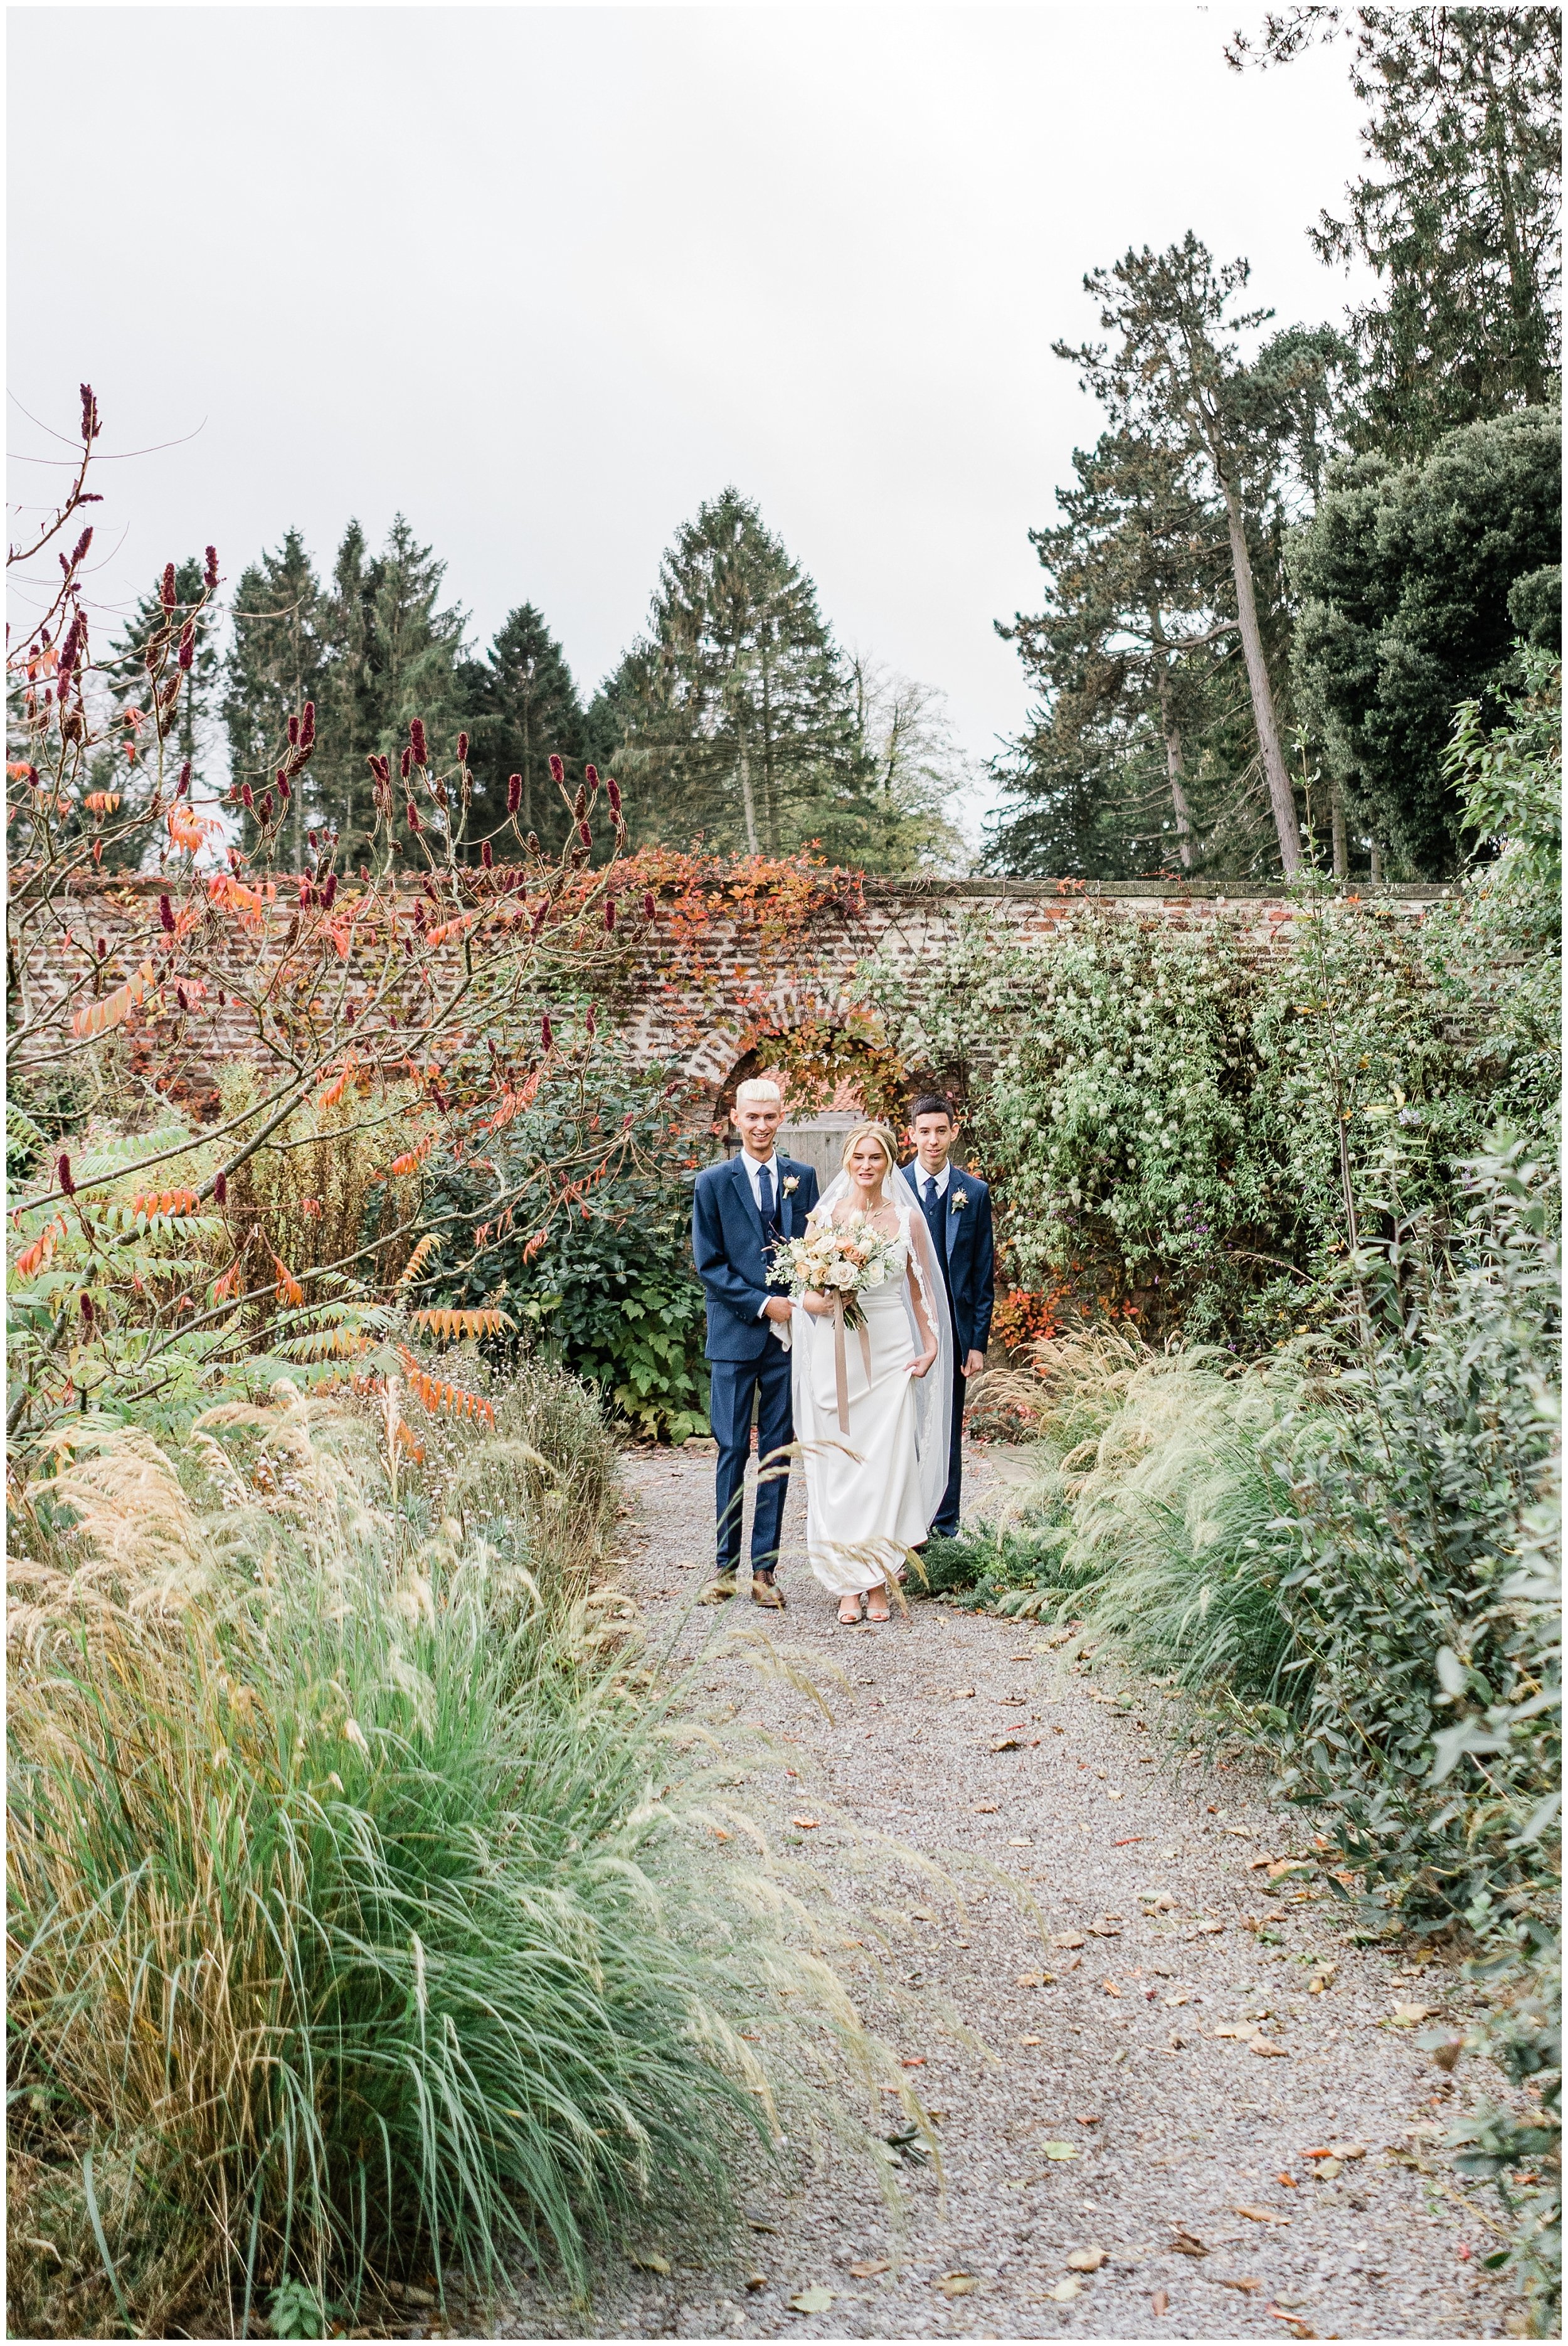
545	277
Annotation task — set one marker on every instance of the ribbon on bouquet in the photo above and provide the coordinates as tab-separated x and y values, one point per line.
841	1364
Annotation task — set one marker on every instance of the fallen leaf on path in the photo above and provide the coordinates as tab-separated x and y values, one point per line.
922	1915
1110	1987
962	1694
1087	2259
1016	1843
1268	2048
1127	1839
1199	1927
1411	2015
1030	1979
870	2269
1260	2215
1247	2285
755	2281
758	2225
1065	2292
1059	2149
1293	2321
649	2260
1115	1796
1171	2001
1031	2040
1069	1939
1005	1743
1244	2029
811	2300
1328	2169
1160	2302
804	1824
1242	1832
956	2284
1185	2243
984	1809
912	2061
1109	1926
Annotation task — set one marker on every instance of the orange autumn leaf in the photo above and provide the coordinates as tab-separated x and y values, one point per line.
101	801
436	1395
29	1264
165	1201
412	1159
452	1326
288	1288
94	1018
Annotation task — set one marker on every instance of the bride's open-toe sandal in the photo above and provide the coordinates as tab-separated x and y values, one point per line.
850	1612
875	1596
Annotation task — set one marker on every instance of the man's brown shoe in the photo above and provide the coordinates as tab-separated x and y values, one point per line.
765	1592
719	1590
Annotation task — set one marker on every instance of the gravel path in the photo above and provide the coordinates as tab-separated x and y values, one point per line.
1119	2021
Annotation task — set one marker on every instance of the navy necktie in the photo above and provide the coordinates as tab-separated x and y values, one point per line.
770	1230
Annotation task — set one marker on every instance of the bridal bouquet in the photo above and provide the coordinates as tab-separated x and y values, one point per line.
836	1259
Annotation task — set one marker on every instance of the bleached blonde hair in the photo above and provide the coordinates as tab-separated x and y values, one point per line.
877	1132
758	1088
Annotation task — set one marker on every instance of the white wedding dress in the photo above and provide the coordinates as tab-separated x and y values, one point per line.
871	1492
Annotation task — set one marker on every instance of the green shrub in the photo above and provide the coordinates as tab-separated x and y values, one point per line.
368	1921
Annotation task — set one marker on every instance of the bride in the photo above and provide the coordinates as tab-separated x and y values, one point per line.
871	1494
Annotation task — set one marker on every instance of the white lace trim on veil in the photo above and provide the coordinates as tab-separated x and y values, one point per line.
934	1391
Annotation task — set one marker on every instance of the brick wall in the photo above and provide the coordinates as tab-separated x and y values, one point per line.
701	1029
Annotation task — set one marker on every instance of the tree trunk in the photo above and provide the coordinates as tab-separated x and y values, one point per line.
1281	798
1337	817
527	766
1175	765
1376	865
747	805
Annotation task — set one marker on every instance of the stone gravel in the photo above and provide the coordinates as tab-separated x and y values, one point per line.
1182	2138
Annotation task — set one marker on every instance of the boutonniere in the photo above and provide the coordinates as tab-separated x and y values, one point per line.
959	1198
791	1183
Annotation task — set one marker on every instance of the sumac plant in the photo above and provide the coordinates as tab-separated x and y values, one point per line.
365	1004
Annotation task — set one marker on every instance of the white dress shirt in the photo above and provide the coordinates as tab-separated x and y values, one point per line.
923	1177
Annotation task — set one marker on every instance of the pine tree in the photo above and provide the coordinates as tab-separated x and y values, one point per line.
1176	381
278	661
521	705
732	719
1459	215
908	768
1122	660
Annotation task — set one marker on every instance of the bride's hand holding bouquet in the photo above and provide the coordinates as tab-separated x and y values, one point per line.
832	1264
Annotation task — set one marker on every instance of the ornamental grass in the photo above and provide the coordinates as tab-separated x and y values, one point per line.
368	1924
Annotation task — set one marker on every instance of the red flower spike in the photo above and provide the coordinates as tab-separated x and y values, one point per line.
168	592
308	724
486	855
557	769
248	794
64	1172
365	871
266	806
87	1310
593	1022
103	948
89	413
649	907
591	776
307	896
220	1188
166	915
545	1029
416	740
293	732
413	812
462	749
614	788
584	834
514	793
283	790
183	784
329	891
209	576
610	911
80	548
405	762
186	654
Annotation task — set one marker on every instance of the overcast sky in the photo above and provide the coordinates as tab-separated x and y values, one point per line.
543	279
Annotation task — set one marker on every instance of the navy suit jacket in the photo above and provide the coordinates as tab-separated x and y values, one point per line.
726	1247
971	1254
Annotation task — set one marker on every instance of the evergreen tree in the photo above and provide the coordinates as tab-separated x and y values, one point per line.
732	719
908	768
1122	660
521	705
1459	215
1416	580
1176	381
278	661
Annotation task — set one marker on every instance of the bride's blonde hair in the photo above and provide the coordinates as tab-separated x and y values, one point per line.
877	1132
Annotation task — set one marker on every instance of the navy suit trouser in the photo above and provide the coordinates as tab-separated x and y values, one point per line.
945	1525
732	1384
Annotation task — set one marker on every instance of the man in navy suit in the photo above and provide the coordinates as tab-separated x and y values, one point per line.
957	1207
739	1212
